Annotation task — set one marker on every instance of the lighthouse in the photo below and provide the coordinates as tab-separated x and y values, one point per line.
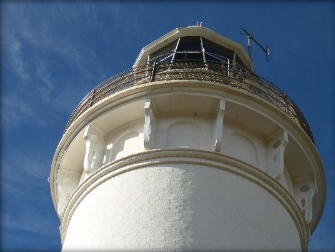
188	150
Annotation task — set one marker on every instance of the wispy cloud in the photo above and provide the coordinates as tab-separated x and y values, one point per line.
66	100
43	74
15	110
28	171
31	48
45	31
29	220
17	63
26	192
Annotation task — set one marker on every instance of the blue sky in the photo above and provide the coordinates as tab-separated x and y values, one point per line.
53	53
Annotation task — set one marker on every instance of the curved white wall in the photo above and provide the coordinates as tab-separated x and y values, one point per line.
181	132
242	148
181	206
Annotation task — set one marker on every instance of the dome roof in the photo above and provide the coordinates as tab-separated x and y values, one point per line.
194	42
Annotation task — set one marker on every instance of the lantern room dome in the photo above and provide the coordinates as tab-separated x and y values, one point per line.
194	43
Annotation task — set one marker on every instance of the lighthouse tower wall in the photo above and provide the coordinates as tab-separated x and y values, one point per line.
187	151
185	204
182	176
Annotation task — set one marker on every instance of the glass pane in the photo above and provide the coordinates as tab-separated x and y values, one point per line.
188	56
238	60
165	58
168	49
213	58
213	48
189	44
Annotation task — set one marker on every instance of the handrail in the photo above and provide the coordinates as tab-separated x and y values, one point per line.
230	74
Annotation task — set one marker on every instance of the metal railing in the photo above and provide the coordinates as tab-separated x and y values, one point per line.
224	73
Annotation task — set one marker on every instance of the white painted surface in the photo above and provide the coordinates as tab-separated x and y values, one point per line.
217	209
181	206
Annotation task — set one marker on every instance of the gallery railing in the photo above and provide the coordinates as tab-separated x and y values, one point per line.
224	73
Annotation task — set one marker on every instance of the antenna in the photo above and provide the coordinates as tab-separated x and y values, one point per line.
251	37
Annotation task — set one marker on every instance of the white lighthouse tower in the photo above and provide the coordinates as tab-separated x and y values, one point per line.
188	150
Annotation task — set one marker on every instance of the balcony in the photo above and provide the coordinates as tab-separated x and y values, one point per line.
226	73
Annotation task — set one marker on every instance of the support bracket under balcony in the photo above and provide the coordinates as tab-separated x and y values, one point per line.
149	123
219	125
275	149
95	143
304	191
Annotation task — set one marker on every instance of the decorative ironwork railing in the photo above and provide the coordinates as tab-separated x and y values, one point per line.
225	73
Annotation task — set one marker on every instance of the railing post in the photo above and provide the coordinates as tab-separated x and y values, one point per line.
228	69
153	72
92	97
285	101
